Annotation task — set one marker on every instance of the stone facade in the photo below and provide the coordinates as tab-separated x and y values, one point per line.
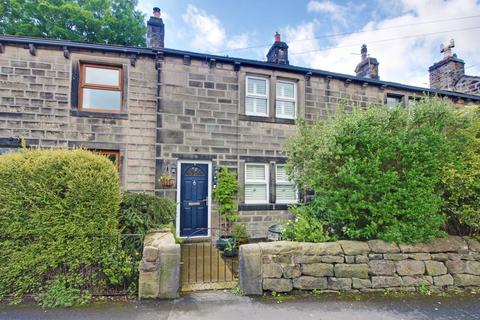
177	106
444	264
36	104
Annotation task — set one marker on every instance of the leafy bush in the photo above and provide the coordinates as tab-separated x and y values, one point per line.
141	212
306	227
51	201
461	183
225	194
376	173
239	232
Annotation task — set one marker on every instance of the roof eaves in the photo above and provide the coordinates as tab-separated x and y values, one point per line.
226	59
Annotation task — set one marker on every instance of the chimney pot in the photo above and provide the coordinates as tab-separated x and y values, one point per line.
157	13
368	67
278	53
277	37
155	30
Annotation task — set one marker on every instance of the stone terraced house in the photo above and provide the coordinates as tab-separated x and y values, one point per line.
159	112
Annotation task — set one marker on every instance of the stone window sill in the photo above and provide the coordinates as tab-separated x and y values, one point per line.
92	114
262	207
266	119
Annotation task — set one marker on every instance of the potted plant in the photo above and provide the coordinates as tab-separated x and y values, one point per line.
167	181
240	233
225	194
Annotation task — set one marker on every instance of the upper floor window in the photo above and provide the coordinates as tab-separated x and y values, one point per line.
413	101
286	191
286	99
393	101
256	183
256	100
100	88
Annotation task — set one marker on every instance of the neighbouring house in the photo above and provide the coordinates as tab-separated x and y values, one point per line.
161	113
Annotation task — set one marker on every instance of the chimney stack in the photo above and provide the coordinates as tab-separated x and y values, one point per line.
445	73
278	53
155	30
368	67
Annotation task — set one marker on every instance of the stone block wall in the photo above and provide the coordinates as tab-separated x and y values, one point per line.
443	264
468	84
36	104
159	276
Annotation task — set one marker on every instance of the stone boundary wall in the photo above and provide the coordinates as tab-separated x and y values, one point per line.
160	267
443	264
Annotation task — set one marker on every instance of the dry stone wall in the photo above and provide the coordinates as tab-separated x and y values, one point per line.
443	264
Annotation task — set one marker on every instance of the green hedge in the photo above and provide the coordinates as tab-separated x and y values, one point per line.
461	182
377	173
50	201
140	212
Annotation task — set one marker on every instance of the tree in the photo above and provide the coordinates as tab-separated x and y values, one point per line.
95	21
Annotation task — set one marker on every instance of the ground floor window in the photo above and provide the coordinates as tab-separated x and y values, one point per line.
286	191
256	183
268	183
112	155
7	149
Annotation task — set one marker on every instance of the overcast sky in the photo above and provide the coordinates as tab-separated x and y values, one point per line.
404	35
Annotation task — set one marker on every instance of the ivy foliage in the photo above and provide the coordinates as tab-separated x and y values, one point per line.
377	173
51	202
95	21
225	194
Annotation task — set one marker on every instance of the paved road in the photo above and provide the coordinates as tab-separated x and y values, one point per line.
225	306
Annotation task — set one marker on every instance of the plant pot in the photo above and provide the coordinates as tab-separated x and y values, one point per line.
167	183
225	241
231	251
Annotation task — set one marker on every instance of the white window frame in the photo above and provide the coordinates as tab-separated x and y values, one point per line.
287	99
284	182
254	95
266	182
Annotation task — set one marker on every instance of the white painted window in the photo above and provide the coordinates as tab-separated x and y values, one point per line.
286	191
256	100
256	183
286	99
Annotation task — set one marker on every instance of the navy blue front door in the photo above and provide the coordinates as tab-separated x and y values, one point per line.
194	200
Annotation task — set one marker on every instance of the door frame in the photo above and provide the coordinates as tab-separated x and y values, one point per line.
179	194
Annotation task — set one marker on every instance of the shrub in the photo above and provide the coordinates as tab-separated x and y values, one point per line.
306	227
239	232
376	173
140	212
461	182
50	202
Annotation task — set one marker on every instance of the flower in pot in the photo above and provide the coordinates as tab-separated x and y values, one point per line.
167	181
